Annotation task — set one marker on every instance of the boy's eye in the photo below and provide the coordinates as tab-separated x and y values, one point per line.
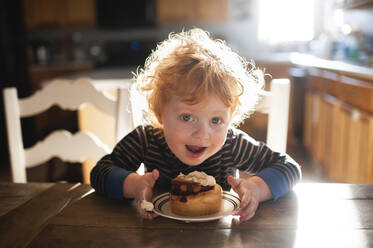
186	118
215	120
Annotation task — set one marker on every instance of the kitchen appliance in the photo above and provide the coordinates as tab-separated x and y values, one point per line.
119	14
126	52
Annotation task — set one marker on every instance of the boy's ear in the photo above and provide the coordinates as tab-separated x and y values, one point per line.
159	118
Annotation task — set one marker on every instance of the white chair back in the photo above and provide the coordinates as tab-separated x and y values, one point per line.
276	105
61	143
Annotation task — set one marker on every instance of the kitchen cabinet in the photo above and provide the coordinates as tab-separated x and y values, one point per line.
354	4
191	11
50	14
338	126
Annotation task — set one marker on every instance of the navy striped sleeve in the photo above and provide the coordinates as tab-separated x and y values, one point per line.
278	170
108	176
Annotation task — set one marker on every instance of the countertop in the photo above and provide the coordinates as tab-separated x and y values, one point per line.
298	59
307	60
337	66
125	72
269	57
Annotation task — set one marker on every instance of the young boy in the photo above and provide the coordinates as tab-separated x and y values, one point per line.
197	89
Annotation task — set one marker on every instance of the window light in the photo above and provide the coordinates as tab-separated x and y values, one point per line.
286	20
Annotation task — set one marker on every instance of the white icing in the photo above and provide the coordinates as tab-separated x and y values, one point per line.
147	206
199	177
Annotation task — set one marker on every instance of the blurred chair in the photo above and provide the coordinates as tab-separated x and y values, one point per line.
275	103
79	147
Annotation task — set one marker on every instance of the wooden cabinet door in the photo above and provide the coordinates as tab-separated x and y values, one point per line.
339	132
48	14
313	125
175	11
357	155
353	164
318	127
366	149
340	138
330	125
308	111
79	13
338	145
191	11
43	13
321	130
356	92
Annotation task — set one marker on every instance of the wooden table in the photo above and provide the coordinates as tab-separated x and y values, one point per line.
73	215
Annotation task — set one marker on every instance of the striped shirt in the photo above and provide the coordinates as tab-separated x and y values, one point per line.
147	145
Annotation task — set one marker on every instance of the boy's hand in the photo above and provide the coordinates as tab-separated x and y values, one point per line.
251	191
145	192
142	189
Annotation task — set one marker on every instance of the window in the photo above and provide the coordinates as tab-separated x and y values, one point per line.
286	20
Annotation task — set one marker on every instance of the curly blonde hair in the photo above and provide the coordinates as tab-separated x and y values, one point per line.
191	65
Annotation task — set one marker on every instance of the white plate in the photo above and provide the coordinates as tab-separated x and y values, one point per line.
162	207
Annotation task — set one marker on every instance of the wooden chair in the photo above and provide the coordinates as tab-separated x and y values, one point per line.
69	147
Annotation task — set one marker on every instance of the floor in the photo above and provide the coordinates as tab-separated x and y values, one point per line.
71	172
311	170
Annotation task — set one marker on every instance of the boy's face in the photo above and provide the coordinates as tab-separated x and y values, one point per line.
195	132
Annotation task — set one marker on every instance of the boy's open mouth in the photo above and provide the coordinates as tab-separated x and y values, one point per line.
195	149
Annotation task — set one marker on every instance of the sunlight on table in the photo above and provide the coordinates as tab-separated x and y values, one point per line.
327	225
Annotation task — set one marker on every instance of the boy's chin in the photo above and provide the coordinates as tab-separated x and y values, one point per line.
192	163
187	160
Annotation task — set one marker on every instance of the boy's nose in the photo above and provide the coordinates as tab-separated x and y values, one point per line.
202	131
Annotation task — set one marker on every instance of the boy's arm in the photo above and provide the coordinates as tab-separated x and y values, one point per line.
275	180
251	191
110	173
139	186
129	185
278	170
264	190
114	181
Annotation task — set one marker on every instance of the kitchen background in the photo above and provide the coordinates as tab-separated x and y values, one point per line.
44	39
